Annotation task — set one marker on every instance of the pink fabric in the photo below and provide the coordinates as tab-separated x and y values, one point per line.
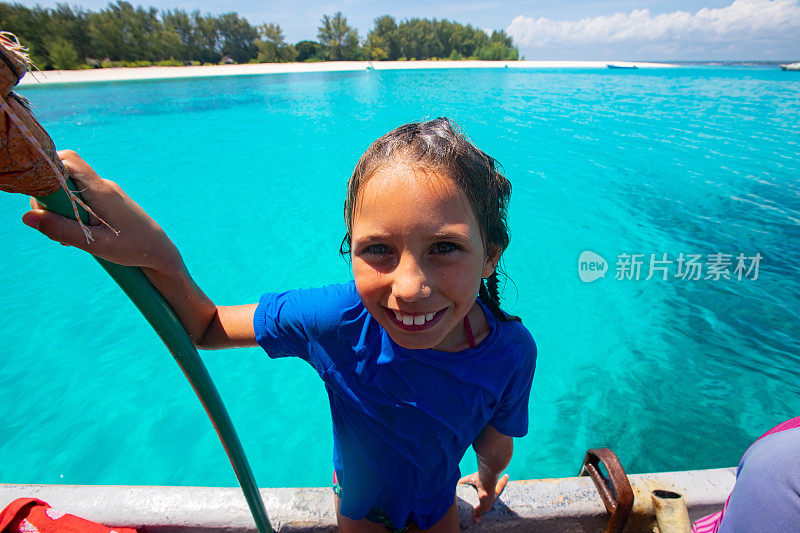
789	424
468	327
710	523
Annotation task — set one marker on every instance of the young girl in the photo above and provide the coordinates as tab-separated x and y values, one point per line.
417	358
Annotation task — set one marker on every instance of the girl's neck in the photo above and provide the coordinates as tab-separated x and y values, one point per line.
476	323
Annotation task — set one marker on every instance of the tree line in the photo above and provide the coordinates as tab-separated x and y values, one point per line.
123	35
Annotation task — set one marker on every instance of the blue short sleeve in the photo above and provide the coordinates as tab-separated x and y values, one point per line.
511	416
299	322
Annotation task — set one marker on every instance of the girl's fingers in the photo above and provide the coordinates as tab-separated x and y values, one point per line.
54	227
81	173
79	170
467	480
87	182
484	504
485	500
103	196
501	485
63	230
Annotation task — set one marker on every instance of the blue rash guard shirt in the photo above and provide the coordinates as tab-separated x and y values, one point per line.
402	418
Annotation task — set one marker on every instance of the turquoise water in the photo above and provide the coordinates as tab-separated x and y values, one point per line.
247	175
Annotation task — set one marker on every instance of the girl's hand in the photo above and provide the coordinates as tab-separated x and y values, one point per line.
488	491
139	241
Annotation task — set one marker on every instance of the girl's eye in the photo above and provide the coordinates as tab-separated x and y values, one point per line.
376	249
444	247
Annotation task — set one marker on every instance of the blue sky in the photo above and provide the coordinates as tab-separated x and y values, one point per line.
580	29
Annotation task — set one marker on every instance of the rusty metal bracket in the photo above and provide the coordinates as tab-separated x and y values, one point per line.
616	492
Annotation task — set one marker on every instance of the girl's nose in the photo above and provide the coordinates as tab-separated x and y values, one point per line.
409	281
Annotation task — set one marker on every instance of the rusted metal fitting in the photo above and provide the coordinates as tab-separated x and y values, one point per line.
615	491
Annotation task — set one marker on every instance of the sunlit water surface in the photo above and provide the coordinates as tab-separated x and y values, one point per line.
247	175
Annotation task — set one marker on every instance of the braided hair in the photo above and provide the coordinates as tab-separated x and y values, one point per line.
441	146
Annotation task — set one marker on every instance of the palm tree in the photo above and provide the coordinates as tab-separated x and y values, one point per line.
338	38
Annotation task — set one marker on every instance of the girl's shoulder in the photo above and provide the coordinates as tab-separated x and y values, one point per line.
514	339
289	323
332	296
309	309
509	327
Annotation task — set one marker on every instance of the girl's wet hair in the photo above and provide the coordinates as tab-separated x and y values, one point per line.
439	145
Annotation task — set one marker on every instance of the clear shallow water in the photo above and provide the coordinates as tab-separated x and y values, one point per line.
247	176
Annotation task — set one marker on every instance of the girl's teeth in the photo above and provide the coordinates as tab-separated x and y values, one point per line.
413	320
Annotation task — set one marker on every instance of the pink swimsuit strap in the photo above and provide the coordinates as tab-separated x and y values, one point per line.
468	328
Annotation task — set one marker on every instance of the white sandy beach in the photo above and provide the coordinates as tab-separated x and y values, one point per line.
152	73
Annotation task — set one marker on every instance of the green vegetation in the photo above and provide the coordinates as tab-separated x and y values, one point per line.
62	55
124	35
339	41
432	39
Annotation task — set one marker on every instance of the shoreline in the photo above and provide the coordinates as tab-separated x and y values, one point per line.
250	69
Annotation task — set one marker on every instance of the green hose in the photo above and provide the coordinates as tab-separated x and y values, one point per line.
161	316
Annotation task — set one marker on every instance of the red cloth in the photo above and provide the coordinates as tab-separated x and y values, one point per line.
29	515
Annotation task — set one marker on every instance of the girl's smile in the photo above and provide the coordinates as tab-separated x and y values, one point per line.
418	257
414	322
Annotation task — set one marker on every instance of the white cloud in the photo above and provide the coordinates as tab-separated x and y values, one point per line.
742	22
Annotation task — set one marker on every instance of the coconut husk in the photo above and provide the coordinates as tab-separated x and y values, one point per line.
29	163
28	160
16	60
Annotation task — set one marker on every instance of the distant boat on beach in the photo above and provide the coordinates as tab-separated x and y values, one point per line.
612	65
791	66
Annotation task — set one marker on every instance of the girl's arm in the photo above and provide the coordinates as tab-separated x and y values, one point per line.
494	451
139	241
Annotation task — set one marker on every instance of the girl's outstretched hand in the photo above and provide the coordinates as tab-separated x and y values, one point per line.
487	492
138	240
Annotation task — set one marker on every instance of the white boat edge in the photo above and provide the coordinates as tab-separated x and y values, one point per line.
542	505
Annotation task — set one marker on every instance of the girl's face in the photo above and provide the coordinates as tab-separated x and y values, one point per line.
417	255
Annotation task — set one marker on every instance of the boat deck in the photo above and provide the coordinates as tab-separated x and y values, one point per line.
546	505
